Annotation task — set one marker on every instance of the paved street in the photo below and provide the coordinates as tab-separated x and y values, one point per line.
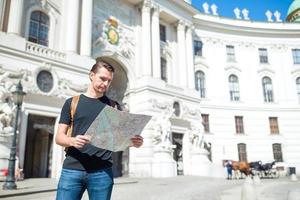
178	188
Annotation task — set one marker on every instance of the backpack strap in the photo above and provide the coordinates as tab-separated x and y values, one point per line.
114	104
73	108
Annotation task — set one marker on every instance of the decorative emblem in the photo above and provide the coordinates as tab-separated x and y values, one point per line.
111	30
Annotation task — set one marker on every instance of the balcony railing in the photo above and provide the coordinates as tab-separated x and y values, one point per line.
43	51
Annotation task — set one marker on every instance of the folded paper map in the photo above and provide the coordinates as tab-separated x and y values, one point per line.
112	129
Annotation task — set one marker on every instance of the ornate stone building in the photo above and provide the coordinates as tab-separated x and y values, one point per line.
217	88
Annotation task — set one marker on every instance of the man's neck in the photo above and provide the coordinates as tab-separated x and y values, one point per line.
93	94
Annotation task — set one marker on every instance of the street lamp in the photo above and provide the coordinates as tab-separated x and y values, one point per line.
10	180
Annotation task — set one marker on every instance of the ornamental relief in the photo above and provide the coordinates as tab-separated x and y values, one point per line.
49	84
112	29
157	105
189	112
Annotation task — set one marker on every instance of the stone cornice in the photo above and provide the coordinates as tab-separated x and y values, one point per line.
186	6
246	27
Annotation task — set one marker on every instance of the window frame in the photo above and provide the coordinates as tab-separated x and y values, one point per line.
242	151
230	53
162	33
267	89
234	89
298	87
198	48
200	84
263	55
42	25
296	56
205	122
274	126
239	124
163	69
277	152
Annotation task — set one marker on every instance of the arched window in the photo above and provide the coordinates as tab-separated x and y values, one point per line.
200	83
242	152
39	28
234	90
298	88
267	89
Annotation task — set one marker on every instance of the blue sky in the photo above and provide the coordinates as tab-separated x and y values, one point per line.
257	8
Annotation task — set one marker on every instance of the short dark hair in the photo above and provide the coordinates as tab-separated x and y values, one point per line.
100	64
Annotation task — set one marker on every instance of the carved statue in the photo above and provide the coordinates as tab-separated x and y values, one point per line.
6	105
237	13
196	137
162	129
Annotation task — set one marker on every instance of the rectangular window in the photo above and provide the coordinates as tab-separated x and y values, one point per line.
4	15
163	69
33	31
296	56
242	151
239	125
205	122
277	152
198	48
263	55
273	125
162	32
230	53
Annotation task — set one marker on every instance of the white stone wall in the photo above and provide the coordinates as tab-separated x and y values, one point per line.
251	106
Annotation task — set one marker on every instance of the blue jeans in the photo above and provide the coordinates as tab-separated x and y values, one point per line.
73	183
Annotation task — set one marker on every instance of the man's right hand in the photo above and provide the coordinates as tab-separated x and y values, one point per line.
80	140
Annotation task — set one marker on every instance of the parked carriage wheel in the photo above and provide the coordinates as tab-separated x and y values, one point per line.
274	173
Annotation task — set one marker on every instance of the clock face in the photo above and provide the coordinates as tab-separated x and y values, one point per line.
44	81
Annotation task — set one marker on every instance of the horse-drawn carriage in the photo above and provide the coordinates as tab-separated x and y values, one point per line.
265	170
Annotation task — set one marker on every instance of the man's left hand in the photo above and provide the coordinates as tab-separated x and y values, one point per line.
137	141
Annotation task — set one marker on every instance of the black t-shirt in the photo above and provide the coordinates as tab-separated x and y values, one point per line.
89	157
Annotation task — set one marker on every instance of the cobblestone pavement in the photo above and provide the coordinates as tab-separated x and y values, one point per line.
176	188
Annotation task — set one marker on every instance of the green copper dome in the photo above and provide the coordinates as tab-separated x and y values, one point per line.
293	12
294	6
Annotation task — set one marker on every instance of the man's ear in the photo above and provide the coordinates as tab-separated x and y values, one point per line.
91	75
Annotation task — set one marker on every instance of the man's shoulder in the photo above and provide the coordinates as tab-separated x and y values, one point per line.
111	102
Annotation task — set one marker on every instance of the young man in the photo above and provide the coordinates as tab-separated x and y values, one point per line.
87	167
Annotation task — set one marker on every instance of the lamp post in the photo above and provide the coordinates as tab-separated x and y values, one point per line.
10	180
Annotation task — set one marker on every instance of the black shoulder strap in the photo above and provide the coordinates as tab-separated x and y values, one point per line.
114	104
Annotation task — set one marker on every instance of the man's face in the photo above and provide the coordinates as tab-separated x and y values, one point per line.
101	80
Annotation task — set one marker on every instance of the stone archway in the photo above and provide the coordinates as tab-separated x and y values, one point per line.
117	92
120	81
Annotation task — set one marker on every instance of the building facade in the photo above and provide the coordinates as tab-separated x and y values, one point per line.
218	87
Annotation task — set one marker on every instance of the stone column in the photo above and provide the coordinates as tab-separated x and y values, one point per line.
15	17
190	59
146	39
86	27
2	8
155	43
71	16
182	67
